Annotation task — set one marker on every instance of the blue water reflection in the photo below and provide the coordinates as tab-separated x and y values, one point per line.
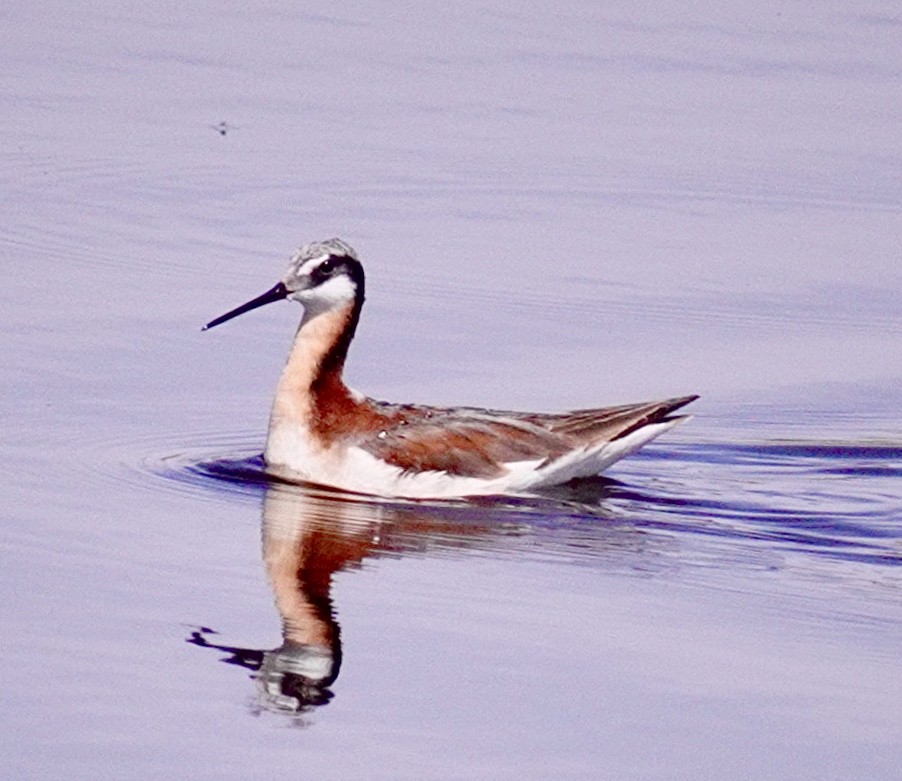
559	207
762	495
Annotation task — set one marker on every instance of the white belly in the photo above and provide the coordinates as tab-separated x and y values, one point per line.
292	453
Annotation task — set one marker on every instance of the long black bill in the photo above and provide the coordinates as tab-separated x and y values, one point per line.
277	293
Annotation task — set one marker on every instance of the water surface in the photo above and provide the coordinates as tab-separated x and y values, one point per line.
555	210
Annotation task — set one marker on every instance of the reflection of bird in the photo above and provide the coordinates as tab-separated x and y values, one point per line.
291	678
311	534
323	432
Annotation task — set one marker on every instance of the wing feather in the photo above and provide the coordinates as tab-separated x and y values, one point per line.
470	442
467	448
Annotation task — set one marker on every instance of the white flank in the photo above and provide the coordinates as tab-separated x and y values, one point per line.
354	469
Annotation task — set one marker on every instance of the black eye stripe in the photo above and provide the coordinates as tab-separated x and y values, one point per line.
327	268
336	265
332	263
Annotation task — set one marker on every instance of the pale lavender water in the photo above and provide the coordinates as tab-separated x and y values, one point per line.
555	209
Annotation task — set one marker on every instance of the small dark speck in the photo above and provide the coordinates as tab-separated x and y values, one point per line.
222	128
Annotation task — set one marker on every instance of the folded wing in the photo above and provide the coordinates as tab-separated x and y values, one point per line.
480	443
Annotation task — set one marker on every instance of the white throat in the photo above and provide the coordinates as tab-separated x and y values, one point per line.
335	293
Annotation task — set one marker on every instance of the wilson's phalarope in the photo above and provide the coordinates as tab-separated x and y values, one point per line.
321	431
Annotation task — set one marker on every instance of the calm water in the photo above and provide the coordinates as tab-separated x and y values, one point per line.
555	209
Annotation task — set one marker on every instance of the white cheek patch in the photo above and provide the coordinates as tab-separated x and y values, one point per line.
331	294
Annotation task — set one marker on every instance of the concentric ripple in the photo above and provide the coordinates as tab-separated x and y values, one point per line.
710	504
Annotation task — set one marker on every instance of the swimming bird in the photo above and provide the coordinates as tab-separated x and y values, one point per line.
322	431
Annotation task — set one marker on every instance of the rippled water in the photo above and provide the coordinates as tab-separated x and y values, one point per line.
831	499
556	209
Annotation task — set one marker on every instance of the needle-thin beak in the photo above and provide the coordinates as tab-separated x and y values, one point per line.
276	293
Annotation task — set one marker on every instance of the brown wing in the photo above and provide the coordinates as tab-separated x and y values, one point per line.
464	446
477	443
610	423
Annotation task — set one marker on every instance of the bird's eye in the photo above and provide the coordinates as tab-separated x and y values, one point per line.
327	266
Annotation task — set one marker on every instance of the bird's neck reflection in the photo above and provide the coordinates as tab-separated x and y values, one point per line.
307	538
310	534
